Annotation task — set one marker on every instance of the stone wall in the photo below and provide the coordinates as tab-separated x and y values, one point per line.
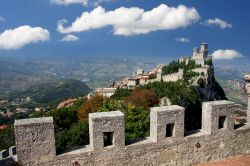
167	144
201	70
35	140
174	76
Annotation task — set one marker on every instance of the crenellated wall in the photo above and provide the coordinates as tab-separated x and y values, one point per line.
167	144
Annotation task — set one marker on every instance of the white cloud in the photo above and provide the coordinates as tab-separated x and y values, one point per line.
69	38
133	21
97	2
182	39
69	2
226	54
218	22
2	19
21	36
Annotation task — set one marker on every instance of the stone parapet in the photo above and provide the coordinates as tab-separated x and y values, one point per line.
167	144
166	122
217	115
247	89
106	129
35	140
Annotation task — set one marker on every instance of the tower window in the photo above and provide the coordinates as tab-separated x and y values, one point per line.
222	120
108	138
169	130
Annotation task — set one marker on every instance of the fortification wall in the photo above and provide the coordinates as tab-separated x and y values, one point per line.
167	144
199	60
201	70
174	76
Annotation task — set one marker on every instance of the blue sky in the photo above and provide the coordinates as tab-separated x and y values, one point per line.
172	32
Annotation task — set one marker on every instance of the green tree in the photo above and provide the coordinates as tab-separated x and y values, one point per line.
7	137
121	93
137	123
171	68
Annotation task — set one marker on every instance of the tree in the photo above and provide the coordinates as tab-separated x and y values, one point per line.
78	134
183	94
121	93
142	98
63	118
89	106
171	68
7	138
137	123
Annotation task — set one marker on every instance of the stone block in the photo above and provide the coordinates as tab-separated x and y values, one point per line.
248	110
217	115
166	122
35	141
106	127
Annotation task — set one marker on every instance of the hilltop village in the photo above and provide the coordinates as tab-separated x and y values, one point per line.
200	61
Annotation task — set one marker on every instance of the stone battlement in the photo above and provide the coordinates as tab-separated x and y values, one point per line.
167	144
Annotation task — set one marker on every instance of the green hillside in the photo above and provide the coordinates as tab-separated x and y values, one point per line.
52	93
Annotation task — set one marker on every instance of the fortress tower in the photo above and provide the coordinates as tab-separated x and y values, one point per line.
200	55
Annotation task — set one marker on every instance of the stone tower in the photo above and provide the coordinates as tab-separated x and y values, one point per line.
247	88
204	50
200	55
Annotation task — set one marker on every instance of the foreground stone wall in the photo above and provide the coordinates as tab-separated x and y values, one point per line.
35	140
167	144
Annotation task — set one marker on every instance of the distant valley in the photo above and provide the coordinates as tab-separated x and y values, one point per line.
21	76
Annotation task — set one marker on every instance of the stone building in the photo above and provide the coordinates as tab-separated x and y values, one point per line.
105	92
133	82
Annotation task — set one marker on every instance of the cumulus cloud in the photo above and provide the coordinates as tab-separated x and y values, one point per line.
226	54
2	19
134	20
182	40
69	38
21	36
218	22
69	2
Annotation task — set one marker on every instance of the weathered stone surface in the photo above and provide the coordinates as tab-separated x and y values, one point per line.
247	88
108	122
160	117
211	113
196	147
35	140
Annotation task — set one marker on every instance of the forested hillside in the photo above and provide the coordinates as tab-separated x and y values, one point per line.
52	93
